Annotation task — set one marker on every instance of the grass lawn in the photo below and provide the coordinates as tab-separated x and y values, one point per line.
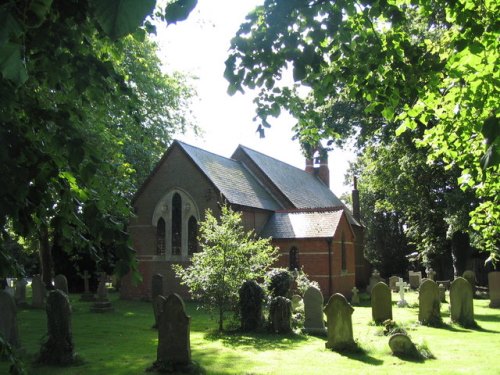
122	342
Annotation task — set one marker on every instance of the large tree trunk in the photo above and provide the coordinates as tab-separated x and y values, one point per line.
47	267
460	252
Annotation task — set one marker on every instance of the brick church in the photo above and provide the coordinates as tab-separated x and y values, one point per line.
313	229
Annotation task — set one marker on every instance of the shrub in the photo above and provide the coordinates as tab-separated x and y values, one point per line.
279	282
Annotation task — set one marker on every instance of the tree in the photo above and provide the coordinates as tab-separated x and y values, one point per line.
229	257
426	63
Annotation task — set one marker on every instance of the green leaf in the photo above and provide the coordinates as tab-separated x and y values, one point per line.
118	18
40	9
179	10
491	129
8	26
11	65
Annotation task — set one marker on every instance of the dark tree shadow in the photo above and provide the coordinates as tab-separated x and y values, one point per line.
260	341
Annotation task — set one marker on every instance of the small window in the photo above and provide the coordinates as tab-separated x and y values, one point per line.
343	253
160	237
294	259
192	235
176	224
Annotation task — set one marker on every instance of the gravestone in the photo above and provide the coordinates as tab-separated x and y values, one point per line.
250	304
429	304
58	349
174	347
38	292
280	315
339	320
381	303
392	283
494	288
102	304
20	293
61	283
442	293
401	345
156	290
355	296
431	274
461	302
87	295
470	276
8	319
415	279
374	279
401	285
314	322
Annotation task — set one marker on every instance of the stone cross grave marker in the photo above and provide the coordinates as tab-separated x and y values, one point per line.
374	279
102	304
415	279
20	293
355	296
339	320
87	295
461	303
314	322
402	285
8	319
494	288
61	283
38	292
381	303
429	304
392	283
156	290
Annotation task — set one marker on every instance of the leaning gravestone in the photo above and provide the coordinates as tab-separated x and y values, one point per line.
461	302
58	349
61	283
20	293
280	315
392	283
314	322
339	320
156	290
401	345
38	292
494	288
250	304
470	276
429	304
8	319
174	348
102	304
87	295
415	279
381	303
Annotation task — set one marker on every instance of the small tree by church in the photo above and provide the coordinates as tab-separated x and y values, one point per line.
229	257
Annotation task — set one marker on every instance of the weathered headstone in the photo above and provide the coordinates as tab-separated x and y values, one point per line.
20	293
38	292
355	296
374	279
102	304
429	304
442	293
251	298
61	283
339	320
314	322
156	290
87	295
401	345
58	349
174	347
494	288
8	319
470	276
415	279
392	283
461	302
431	274
280	315
381	303
401	285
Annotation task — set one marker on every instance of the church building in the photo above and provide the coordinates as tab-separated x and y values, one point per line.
311	227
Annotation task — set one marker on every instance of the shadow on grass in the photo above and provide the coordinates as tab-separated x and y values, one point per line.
362	355
487	318
469	328
260	341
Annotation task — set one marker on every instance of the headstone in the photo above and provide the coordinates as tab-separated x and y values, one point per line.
461	302
470	276
339	320
429	304
355	296
431	274
102	304
174	346
61	283
314	322
20	293
442	293
401	345
251	298
38	292
87	295
415	279
280	315
8	319
58	349
156	290
381	303
374	279
494	288
392	283
401	285
296	301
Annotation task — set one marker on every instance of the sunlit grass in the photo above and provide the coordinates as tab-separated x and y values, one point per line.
123	342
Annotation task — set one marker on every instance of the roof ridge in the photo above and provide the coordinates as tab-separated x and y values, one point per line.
311	210
182	144
270	157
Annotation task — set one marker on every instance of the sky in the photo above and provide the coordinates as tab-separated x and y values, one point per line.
199	46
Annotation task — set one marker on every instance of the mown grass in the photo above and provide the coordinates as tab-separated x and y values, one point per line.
123	342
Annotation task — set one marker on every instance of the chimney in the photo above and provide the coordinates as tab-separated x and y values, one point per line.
355	200
318	165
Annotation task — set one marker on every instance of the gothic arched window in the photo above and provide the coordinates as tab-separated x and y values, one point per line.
192	235
294	258
176	224
160	237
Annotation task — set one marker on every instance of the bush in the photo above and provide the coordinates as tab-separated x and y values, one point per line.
251	299
279	282
303	283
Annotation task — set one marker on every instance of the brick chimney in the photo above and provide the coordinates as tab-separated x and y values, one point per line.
318	165
355	200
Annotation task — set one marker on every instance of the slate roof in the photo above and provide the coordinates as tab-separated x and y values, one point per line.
287	225
232	179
